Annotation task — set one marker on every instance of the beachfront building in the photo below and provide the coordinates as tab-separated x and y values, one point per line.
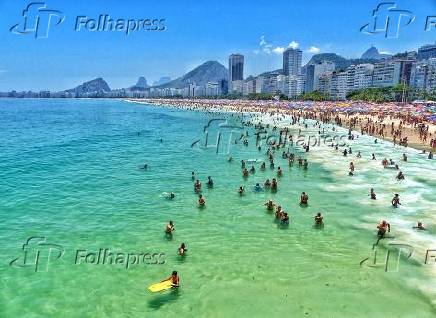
236	72
259	84
426	52
237	87
270	83
313	73
212	89
249	86
387	73
360	76
324	83
338	86
418	77
292	62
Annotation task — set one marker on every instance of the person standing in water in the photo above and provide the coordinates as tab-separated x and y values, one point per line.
169	228
201	201
174	278
373	195
319	219
304	198
396	201
182	249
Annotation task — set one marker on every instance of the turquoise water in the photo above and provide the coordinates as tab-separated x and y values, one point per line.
70	172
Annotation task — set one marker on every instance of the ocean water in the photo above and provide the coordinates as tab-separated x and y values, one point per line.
71	182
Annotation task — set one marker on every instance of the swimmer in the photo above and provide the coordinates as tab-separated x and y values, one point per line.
274	185
404	157
382	228
174	278
284	219
359	155
385	162
269	205
182	249
352	167
279	172
420	226
267	183
193	175
241	190
373	195
252	169
304	198
245	173
169	228
396	201
305	164
145	166
400	176
430	155
373	157
242	164
209	182
201	201
197	186
257	187
262	166
279	212
319	219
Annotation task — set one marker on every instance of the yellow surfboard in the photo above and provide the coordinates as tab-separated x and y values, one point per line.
160	286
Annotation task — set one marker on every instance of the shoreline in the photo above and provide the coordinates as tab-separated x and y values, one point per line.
392	127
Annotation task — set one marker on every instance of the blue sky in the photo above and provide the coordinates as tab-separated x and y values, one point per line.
196	31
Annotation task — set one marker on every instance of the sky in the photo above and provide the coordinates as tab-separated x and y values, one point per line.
195	32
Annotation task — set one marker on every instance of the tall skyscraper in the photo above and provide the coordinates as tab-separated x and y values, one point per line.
426	52
292	62
236	67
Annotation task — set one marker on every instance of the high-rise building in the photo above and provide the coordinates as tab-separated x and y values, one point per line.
292	62
387	73
314	71
338	86
236	69
362	76
426	52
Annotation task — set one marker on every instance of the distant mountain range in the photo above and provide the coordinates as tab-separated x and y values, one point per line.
97	85
210	71
213	71
162	80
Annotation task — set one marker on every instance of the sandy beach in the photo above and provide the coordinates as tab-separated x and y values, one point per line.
406	125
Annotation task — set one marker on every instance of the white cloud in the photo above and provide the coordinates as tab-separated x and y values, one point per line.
293	45
279	50
385	52
313	50
262	40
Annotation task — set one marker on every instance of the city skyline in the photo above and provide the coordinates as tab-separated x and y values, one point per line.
260	31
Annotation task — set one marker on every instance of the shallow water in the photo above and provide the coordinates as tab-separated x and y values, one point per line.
70	172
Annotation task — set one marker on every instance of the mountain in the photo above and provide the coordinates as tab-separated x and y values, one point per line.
210	71
162	80
95	86
341	63
373	54
140	85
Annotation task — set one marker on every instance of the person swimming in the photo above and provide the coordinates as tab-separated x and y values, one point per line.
400	176
257	188
267	183
373	157
241	190
182	249
169	228
197	186
270	205
396	201
319	219
242	164
245	172
351	173
279	212
304	198
193	175
420	226
174	278
279	172
252	169
274	185
209	182
145	166
373	195
284	219
383	227
201	201
358	155
305	164
404	157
